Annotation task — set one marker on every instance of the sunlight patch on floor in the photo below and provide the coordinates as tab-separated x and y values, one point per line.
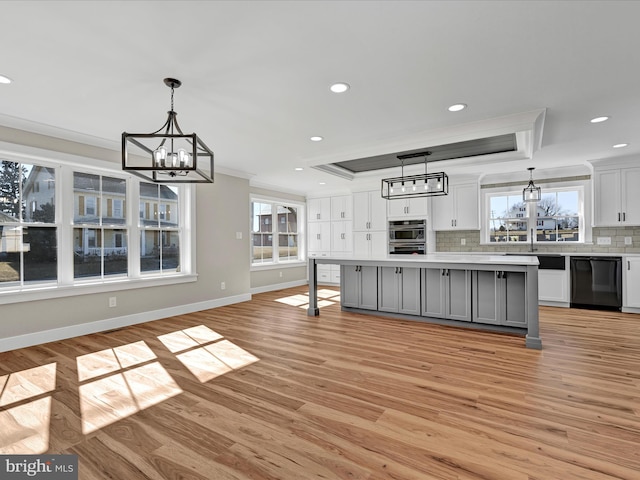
327	297
24	425
206	353
130	380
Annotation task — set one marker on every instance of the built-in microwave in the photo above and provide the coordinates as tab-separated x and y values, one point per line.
407	237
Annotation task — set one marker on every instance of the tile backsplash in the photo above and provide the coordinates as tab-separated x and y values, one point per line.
452	242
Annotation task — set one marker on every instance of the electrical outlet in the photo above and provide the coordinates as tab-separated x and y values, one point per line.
628	240
113	302
223	285
604	240
238	235
463	241
280	274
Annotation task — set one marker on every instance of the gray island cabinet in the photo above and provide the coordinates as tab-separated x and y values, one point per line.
486	292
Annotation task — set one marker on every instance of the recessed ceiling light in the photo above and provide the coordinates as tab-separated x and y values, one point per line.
339	87
457	107
322	183
298	169
599	119
620	145
4	79
316	138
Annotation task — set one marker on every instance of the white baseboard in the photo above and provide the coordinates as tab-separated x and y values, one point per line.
279	286
45	336
630	310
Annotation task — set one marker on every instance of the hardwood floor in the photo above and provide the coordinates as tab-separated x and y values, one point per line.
259	390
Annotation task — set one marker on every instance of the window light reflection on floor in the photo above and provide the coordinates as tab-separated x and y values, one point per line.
24	428
326	297
205	352
124	380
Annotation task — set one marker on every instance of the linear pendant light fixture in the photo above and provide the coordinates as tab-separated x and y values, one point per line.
168	155
531	193
424	185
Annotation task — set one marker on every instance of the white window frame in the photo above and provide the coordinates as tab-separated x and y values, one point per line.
276	262
66	286
584	211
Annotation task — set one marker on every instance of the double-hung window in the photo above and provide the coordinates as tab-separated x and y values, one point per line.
99	231
557	217
159	228
28	228
275	232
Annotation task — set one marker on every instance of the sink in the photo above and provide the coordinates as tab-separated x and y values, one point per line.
548	261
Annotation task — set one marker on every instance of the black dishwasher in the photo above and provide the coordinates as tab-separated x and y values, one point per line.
596	282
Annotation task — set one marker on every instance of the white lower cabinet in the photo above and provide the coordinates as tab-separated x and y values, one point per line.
499	298
553	286
359	286
446	293
399	290
631	282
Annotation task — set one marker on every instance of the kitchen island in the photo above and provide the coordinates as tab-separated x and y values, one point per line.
486	292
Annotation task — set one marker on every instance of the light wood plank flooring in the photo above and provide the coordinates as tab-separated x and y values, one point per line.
259	390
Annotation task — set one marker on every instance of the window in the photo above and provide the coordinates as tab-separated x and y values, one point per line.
88	242
28	236
506	218
96	253
558	217
160	232
274	232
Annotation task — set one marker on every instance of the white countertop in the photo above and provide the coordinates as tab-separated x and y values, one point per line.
455	258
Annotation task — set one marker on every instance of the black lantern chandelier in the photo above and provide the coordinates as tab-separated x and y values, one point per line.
531	193
424	185
168	155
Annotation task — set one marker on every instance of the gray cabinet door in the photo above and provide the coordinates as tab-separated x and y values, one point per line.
458	298
514	299
388	300
486	297
409	291
369	288
433	293
349	285
359	286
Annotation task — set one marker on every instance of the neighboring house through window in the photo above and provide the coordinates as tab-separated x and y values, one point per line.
275	232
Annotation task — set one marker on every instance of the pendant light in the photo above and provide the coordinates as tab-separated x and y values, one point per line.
168	155
531	193
424	185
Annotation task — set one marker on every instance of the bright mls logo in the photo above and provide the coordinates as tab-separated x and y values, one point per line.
50	467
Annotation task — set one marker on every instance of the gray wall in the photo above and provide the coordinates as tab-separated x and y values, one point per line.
220	256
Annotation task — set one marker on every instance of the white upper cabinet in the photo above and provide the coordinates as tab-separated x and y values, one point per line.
617	197
341	207
341	238
319	209
458	210
407	208
369	211
319	236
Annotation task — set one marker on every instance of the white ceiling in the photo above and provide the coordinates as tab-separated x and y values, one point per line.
256	75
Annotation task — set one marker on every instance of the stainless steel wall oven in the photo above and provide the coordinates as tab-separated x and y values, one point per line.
407	237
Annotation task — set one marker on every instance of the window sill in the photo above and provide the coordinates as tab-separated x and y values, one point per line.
45	292
276	266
